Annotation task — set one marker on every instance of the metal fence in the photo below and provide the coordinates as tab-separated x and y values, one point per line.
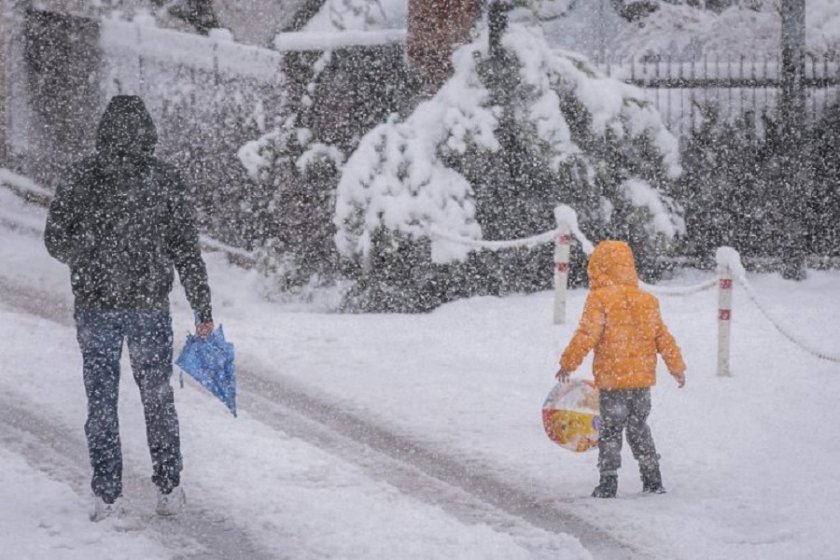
684	92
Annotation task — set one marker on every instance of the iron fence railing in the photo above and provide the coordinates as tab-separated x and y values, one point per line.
684	91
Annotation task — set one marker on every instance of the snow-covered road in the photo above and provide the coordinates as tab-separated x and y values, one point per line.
429	475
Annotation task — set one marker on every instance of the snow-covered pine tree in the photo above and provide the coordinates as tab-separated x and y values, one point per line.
726	188
824	204
330	99
730	189
505	139
301	171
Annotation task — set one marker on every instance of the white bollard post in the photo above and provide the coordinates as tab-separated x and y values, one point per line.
724	319
562	244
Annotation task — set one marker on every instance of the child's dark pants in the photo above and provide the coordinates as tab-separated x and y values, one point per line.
620	409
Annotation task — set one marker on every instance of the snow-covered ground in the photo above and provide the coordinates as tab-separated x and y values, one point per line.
420	436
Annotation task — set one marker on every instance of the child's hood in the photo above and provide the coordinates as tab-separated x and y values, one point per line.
612	264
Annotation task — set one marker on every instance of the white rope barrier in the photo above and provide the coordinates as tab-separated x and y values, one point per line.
27	190
211	244
680	291
784	332
567	227
562	239
729	267
730	261
566	215
524	243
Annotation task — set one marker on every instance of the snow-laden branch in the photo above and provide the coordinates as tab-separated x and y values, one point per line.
401	178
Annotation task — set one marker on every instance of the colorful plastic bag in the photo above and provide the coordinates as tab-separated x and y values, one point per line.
570	415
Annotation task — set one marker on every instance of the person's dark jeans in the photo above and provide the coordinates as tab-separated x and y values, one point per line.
149	335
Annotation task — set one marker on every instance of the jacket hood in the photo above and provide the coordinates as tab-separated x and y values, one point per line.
126	128
612	264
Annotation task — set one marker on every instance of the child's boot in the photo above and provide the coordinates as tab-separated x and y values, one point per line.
652	480
607	487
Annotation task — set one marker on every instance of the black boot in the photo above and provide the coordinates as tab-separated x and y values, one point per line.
652	480
607	488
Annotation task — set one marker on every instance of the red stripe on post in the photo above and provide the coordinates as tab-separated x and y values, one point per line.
564	239
562	267
726	283
725	314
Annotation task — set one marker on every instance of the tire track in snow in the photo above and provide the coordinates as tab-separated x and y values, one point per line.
194	534
434	476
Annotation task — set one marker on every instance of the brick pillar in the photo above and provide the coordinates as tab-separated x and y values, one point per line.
435	29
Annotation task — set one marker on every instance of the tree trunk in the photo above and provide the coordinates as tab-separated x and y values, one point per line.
794	150
4	86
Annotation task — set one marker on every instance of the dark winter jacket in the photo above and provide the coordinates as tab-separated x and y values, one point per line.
123	220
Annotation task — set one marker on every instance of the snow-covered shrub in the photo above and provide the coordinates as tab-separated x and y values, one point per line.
724	188
823	209
737	188
491	154
201	123
330	100
300	171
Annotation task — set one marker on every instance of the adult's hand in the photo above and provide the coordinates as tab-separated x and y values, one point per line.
203	330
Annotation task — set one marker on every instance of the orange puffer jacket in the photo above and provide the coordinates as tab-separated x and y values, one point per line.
622	323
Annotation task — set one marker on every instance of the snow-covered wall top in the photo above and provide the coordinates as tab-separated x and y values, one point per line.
141	39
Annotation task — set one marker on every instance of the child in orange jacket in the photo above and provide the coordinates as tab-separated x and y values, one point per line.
622	323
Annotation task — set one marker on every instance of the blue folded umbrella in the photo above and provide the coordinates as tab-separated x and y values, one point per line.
210	362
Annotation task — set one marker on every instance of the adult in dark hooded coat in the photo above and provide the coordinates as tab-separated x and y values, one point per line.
122	222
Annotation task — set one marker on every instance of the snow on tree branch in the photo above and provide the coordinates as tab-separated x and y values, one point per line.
402	179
